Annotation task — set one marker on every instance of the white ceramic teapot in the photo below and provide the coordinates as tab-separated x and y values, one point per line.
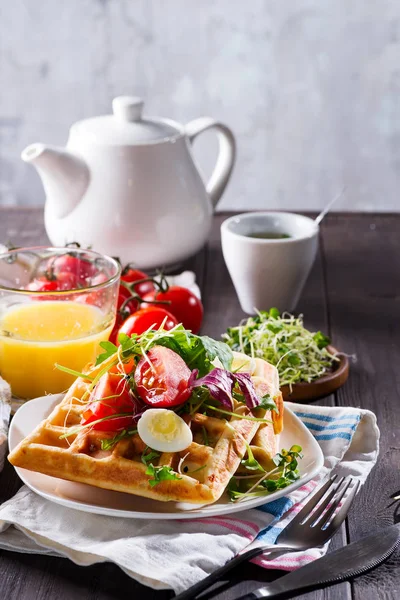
127	186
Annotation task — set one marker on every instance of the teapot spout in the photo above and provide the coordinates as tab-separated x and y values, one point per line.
65	176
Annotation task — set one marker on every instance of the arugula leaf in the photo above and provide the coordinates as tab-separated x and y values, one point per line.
160	474
268	403
108	443
218	350
109	349
123	339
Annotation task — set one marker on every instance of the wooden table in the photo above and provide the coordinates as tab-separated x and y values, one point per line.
353	293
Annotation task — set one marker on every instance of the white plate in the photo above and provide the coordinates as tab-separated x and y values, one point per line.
105	502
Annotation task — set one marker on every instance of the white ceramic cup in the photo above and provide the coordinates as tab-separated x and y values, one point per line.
269	272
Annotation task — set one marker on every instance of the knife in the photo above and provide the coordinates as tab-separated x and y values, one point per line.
342	564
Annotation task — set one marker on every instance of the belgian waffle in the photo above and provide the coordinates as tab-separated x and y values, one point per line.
204	468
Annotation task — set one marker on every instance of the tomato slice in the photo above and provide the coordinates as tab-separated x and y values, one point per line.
162	378
184	305
145	318
130	275
111	396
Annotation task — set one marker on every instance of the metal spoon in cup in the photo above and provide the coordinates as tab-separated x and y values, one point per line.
329	206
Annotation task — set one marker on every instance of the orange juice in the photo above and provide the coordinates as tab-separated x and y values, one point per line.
36	335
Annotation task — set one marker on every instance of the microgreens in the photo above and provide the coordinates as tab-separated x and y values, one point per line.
285	473
73	372
236	415
251	463
79	428
282	340
147	457
206	441
108	443
159	474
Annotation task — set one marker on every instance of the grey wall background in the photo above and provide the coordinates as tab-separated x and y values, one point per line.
311	88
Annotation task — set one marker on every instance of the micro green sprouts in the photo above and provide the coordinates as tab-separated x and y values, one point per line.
282	340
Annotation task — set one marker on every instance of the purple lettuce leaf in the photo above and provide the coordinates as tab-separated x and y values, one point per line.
221	383
247	388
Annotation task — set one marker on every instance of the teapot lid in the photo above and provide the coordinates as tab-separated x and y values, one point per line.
126	125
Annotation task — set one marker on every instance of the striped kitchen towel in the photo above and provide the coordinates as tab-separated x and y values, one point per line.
165	554
349	439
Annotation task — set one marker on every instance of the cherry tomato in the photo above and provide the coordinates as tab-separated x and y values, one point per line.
42	284
143	319
131	275
98	279
97	297
82	268
162	378
185	306
110	396
67	281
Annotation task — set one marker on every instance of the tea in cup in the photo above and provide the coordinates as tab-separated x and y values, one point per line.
269	256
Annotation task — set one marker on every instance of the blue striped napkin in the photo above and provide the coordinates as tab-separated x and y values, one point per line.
349	439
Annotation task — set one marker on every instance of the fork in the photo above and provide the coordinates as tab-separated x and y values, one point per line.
313	526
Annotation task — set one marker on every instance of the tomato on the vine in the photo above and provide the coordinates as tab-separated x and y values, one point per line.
42	284
125	308
141	320
111	396
82	268
67	281
130	275
184	305
123	299
119	320
162	378
96	297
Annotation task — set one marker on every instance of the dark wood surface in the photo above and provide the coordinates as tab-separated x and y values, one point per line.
353	293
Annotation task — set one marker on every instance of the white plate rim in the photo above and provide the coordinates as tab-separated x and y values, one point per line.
44	406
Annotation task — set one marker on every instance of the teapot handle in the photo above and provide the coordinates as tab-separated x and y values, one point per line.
226	154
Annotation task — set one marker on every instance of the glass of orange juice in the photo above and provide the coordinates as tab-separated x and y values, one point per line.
56	306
